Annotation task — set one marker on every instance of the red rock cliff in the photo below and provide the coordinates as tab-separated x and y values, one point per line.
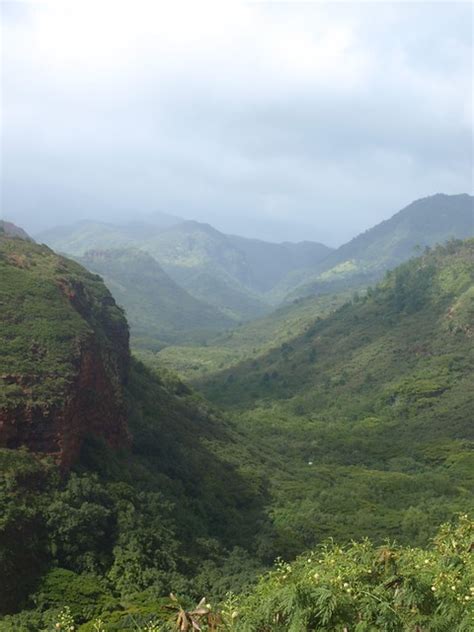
88	399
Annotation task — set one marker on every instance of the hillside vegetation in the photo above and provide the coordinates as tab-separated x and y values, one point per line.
249	340
230	273
51	309
358	424
244	278
345	271
357	586
401	316
368	413
114	518
158	310
364	259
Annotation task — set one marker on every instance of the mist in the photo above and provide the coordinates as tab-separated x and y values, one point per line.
276	121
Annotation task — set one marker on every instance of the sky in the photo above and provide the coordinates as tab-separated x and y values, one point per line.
282	121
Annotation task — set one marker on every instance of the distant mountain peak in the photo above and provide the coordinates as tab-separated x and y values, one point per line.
192	225
424	222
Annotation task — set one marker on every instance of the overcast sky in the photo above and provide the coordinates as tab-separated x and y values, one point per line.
274	120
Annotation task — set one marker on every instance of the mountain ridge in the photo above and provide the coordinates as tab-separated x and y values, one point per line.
359	426
245	277
158	310
223	270
425	222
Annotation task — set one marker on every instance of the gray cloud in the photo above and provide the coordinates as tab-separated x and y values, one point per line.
282	121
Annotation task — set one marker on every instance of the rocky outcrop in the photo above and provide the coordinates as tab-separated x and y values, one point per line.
10	229
50	410
93	406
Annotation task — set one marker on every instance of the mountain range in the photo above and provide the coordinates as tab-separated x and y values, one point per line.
245	278
231	273
343	417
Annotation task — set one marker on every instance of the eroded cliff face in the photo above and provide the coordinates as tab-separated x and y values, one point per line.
93	405
73	344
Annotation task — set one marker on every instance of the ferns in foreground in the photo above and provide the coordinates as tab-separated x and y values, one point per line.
364	588
357	588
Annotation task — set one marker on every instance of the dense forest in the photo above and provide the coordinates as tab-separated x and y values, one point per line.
236	316
334	436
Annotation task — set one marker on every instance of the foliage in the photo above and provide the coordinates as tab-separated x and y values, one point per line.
24	484
365	419
249	340
363	587
157	308
358	425
364	259
42	331
358	586
106	529
65	621
130	517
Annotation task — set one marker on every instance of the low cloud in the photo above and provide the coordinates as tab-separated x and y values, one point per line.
281	121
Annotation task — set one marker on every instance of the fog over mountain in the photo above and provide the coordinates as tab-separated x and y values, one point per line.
236	316
274	121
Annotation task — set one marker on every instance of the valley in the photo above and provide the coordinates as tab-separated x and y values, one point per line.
185	450
236	316
234	279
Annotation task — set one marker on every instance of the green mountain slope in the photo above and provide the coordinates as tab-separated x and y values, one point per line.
244	277
365	258
77	239
267	264
158	310
370	411
189	252
360	425
221	290
60	329
417	296
249	340
351	267
113	479
232	273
